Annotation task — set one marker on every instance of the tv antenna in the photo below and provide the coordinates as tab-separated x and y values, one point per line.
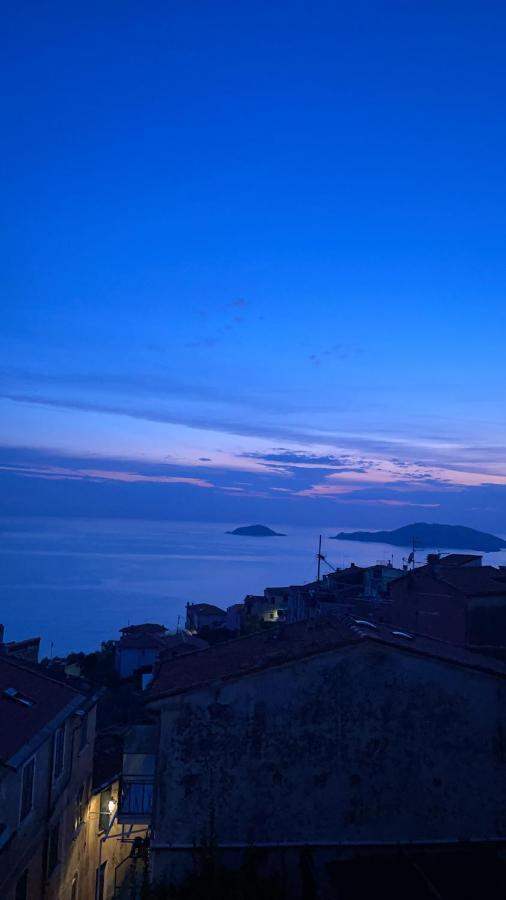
322	558
410	560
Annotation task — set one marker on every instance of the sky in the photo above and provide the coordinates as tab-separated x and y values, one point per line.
253	261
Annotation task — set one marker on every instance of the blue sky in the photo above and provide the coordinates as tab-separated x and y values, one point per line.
253	260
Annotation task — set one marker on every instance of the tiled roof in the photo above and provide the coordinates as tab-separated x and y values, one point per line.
459	559
143	628
20	722
282	644
275	646
474	581
207	608
141	641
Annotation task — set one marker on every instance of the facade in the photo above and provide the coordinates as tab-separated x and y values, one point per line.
111	847
141	646
463	604
234	617
323	740
203	615
46	760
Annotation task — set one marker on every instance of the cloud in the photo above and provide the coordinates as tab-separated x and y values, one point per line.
339	351
36	482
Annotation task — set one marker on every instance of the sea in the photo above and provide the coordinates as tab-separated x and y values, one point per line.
76	582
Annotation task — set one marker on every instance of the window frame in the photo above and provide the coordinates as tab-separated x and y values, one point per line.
29	762
103	813
80	808
59	752
83	734
53	845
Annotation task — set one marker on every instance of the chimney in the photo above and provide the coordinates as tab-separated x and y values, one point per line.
433	559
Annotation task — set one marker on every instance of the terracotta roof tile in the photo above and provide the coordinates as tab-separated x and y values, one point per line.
19	723
282	644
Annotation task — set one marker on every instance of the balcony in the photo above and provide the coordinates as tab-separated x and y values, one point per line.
137	782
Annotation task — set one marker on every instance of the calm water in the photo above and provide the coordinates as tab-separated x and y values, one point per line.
75	582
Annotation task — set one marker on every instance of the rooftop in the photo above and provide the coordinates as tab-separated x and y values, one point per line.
206	608
283	643
459	559
143	628
29	700
468	580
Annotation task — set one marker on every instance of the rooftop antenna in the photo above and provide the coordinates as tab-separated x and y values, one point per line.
322	558
410	560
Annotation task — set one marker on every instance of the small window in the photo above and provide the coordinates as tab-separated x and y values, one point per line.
52	849
22	887
83	737
73	890
79	817
104	818
27	789
59	751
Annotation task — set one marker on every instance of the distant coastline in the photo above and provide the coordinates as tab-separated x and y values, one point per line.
444	537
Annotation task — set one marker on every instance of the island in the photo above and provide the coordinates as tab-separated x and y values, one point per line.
256	531
449	537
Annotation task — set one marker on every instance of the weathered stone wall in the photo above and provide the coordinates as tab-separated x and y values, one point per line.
364	744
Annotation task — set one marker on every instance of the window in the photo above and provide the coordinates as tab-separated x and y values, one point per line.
27	789
52	848
83	737
104	819
22	887
79	817
100	881
73	890
137	798
59	751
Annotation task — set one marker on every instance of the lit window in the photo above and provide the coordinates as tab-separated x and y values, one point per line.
59	749
27	789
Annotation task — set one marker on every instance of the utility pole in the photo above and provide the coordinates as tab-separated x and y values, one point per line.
319	557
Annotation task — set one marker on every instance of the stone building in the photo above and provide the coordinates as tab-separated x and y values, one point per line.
324	741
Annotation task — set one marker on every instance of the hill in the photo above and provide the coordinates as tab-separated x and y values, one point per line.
448	537
256	531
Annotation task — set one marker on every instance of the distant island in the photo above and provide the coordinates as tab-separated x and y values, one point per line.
256	531
449	537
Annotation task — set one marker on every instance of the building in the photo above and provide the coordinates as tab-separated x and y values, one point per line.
455	599
46	758
140	646
27	649
324	743
203	616
234	618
